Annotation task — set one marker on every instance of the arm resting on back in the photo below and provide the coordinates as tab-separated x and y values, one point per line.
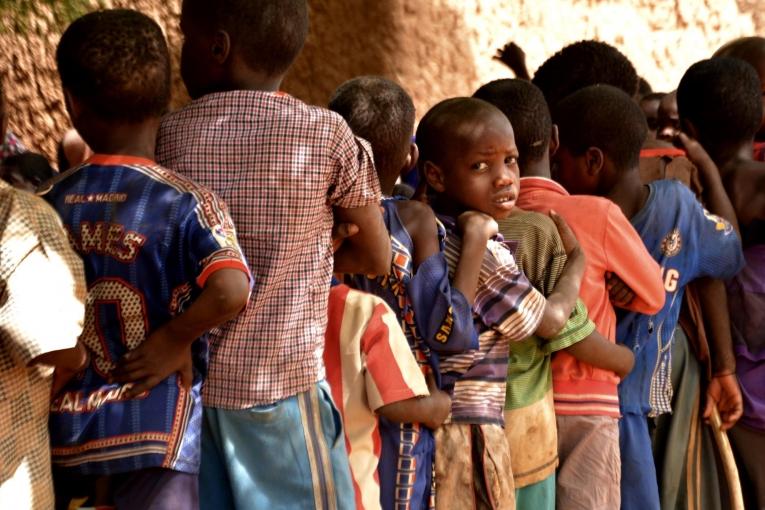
367	252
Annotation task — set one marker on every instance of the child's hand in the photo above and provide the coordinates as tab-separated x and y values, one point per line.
65	372
696	153
341	232
618	291
477	223
570	243
513	57
442	404
724	392
158	357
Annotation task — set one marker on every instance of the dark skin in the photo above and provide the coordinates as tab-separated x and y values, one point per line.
625	188
167	350
514	57
650	107
210	62
476	181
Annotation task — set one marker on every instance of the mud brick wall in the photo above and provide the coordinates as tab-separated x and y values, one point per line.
435	48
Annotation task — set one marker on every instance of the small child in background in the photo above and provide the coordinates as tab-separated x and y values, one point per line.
434	314
163	267
373	375
720	103
585	375
752	51
650	106
469	158
601	133
9	143
26	170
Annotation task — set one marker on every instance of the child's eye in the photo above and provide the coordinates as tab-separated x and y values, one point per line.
511	160
479	167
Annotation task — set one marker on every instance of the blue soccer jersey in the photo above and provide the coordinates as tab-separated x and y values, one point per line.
688	242
149	239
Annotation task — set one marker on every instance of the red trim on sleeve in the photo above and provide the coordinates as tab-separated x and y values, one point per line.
222	264
655	152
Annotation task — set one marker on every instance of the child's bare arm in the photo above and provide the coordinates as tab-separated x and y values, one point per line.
368	251
420	222
514	57
723	389
167	350
715	197
431	411
597	351
67	362
476	229
561	302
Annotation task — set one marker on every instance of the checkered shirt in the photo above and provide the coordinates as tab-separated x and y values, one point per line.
42	293
281	166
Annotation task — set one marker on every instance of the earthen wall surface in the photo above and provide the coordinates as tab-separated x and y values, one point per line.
435	48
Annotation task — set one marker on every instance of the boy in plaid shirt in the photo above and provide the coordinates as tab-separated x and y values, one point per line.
286	170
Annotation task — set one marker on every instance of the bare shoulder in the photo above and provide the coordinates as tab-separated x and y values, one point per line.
416	215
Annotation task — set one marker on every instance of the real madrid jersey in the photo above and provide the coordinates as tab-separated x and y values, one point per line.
688	242
149	240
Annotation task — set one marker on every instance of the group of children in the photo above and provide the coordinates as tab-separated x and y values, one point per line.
274	320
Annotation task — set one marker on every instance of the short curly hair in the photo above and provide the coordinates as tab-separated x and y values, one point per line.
582	64
523	103
723	99
605	117
269	33
380	111
116	62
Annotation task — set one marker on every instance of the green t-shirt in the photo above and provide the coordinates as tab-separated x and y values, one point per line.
541	257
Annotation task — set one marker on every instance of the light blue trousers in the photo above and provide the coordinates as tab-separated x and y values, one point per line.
288	455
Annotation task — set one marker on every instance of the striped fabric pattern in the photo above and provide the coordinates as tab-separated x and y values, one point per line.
541	257
149	239
369	365
281	166
506	309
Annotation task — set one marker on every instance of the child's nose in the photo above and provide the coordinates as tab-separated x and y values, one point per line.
504	177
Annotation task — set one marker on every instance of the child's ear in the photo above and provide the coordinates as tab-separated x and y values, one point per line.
554	140
411	159
434	176
595	160
221	46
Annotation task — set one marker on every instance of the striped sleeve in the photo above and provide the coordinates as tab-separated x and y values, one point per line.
392	373
505	300
577	328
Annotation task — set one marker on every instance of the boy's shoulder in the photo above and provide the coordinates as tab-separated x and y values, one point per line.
523	222
287	110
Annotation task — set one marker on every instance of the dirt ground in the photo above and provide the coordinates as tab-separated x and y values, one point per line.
435	48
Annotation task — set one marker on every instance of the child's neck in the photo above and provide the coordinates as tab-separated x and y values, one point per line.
727	159
244	78
538	168
126	139
629	193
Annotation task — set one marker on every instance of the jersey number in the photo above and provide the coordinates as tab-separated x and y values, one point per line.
129	311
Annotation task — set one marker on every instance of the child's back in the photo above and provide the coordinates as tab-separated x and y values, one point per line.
369	366
159	251
287	171
435	316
